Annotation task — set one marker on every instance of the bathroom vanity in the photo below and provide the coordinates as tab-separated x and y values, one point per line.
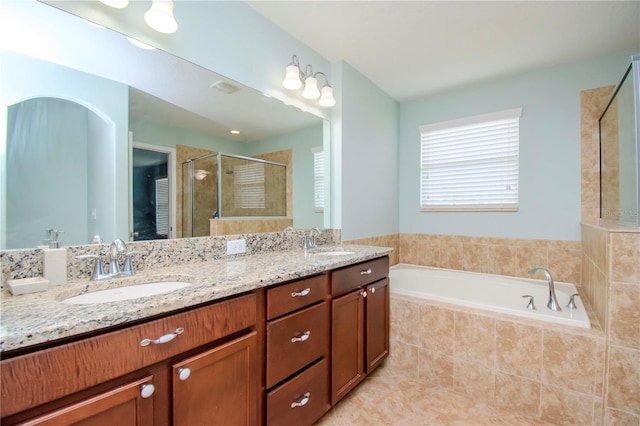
282	352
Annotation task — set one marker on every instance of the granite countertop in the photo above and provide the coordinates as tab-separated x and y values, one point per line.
31	319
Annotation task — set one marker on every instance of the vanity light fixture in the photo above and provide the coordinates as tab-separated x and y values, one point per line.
294	79
118	4
160	16
234	132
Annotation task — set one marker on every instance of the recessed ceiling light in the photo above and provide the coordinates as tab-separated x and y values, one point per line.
235	132
224	87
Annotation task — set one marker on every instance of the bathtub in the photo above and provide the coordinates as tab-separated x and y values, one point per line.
495	293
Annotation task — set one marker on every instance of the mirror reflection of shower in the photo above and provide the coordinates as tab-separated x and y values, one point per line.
230	186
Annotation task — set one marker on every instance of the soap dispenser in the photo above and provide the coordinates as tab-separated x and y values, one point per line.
55	259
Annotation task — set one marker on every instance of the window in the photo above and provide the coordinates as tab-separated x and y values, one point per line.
318	179
249	185
471	163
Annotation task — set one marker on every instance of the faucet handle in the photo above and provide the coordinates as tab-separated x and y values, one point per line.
530	305
128	265
98	266
572	303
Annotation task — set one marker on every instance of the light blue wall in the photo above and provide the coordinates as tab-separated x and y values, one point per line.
549	205
300	142
369	127
25	78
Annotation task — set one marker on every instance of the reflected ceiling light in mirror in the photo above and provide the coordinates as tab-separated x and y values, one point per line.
160	16
140	44
200	174
294	79
118	4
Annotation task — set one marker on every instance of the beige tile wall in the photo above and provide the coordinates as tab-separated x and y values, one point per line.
247	226
611	277
592	103
502	256
544	371
390	240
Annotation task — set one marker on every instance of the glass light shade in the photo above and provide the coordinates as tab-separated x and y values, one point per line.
311	88
292	78
118	4
140	44
326	97
160	16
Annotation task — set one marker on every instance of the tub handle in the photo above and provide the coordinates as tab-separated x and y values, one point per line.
530	305
572	303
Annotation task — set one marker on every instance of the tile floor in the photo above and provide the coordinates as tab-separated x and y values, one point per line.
391	400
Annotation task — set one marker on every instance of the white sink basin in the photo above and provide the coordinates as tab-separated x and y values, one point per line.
335	253
126	293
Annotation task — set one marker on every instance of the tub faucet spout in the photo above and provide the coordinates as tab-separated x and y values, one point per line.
553	301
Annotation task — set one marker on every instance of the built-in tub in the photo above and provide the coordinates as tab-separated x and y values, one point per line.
495	293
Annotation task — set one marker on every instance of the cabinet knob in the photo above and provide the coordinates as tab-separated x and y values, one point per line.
372	290
184	373
302	337
366	272
162	339
301	293
364	293
302	401
147	390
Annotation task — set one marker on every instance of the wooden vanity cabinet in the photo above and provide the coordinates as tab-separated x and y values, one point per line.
360	323
105	379
218	386
297	349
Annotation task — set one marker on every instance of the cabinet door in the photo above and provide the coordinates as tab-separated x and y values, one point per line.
219	386
347	343
377	323
122	406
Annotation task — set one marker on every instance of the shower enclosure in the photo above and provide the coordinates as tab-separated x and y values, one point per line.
230	186
620	152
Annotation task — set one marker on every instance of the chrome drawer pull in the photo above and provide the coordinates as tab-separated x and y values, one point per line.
302	338
162	339
303	401
366	272
302	293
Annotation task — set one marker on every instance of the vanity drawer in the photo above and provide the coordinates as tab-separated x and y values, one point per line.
295	341
79	365
302	400
345	279
298	294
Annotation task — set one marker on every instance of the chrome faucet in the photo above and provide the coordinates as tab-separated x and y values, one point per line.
117	247
553	301
310	241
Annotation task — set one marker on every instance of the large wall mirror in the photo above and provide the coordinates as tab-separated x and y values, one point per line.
97	133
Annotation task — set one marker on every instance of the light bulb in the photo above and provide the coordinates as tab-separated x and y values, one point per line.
311	88
160	16
118	4
292	78
326	97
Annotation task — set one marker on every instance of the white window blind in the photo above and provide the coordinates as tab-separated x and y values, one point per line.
162	206
249	186
471	163
318	179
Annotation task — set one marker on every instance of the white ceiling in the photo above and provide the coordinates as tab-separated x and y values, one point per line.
411	49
